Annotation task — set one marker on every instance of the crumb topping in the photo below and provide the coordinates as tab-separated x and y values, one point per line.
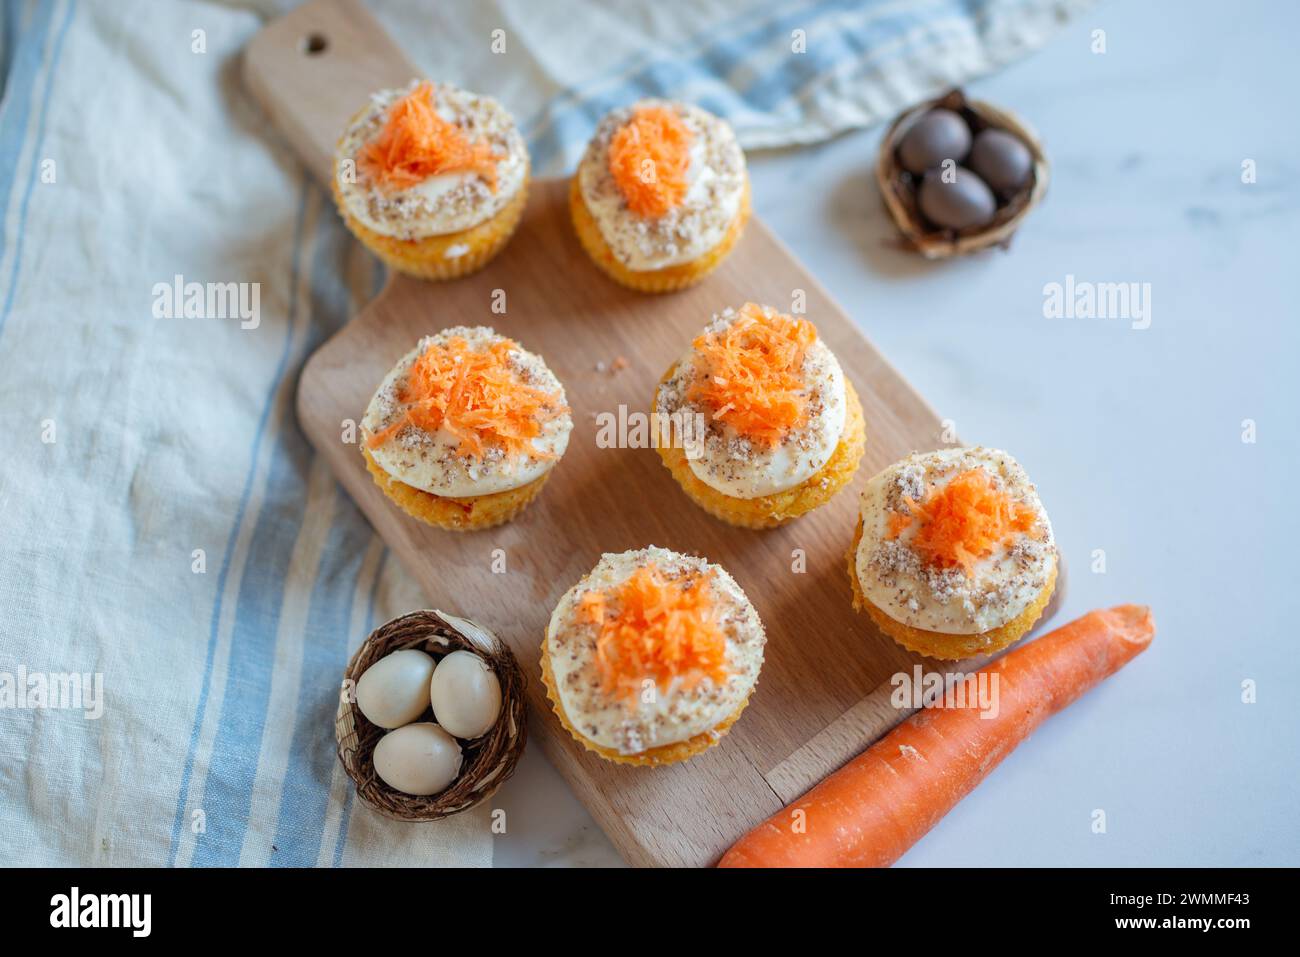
482	395
712	672
416	143
751	373
654	628
695	223
468	412
792	427
456	160
648	158
964	591
962	522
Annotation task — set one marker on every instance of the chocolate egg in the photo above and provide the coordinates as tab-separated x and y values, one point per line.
938	135
1001	160
963	203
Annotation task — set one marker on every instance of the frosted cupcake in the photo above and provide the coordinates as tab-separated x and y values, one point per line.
770	426
652	657
954	554
431	179
465	429
661	195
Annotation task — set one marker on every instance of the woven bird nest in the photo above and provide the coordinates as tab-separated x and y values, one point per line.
898	186
488	760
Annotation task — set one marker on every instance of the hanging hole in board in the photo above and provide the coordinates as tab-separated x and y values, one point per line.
314	44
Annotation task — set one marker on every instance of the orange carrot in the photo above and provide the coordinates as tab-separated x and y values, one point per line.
656	628
962	522
474	396
648	158
416	143
754	378
882	802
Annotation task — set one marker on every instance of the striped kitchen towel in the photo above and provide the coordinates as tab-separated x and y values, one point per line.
181	578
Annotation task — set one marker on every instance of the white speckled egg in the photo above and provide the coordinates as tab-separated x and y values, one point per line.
419	759
466	695
395	690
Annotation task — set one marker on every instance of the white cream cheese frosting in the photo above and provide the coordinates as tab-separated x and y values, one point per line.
677	712
732	464
444	203
1002	585
716	185
432	462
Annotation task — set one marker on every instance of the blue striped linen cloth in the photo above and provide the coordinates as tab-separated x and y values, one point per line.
163	522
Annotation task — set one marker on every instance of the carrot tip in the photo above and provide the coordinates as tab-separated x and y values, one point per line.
1132	623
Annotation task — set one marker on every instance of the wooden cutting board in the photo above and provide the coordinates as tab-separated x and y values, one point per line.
820	698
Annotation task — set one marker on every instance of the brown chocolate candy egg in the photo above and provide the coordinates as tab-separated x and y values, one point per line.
961	204
938	135
1001	160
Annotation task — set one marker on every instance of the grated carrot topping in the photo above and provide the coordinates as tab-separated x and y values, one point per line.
648	158
416	143
476	396
753	377
963	522
650	627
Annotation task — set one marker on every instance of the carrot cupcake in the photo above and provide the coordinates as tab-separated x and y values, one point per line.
652	657
954	554
465	429
770	426
661	195
431	179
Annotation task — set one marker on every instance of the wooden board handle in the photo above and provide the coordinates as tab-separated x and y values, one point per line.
312	69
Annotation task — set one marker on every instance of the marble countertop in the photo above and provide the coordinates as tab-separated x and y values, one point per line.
1137	437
